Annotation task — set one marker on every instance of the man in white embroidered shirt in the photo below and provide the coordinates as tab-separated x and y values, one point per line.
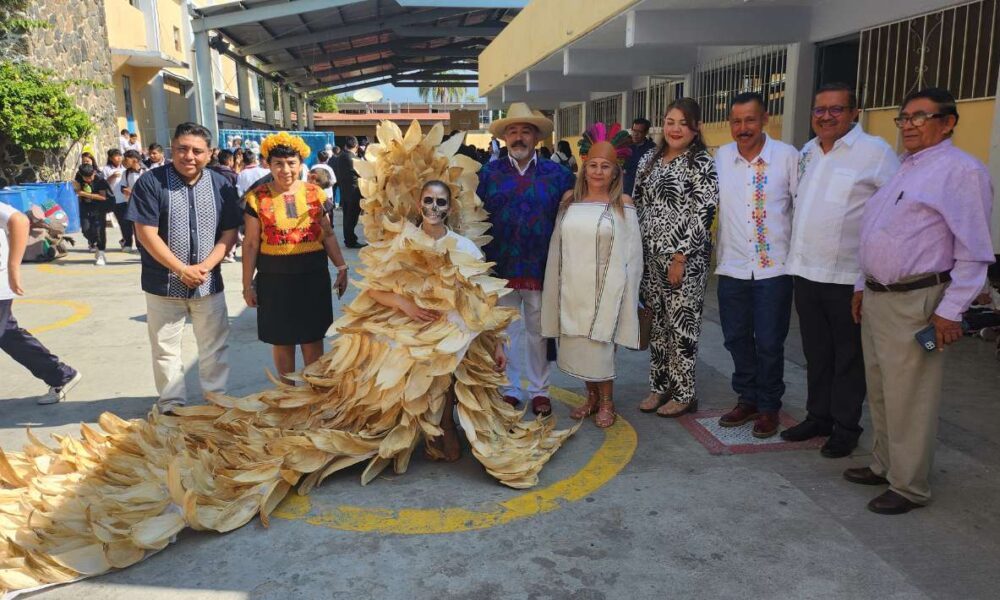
757	182
839	170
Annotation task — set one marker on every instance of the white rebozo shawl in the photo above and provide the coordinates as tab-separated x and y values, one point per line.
613	316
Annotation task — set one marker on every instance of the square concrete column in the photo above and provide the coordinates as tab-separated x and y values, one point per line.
243	90
268	101
161	118
799	73
310	116
207	112
286	109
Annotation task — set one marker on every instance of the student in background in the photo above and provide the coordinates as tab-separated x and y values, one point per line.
16	342
96	200
133	170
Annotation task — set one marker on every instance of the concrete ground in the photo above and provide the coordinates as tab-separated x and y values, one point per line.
675	522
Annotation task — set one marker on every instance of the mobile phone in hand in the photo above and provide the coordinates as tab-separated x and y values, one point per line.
927	338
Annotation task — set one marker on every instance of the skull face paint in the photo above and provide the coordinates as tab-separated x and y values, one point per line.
434	205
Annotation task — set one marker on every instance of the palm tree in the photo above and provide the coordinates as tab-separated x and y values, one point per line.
441	94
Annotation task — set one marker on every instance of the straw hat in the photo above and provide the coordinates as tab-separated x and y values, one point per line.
520	113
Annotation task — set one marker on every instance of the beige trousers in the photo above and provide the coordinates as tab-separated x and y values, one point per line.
904	387
165	319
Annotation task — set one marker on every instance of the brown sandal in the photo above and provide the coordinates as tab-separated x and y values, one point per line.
606	415
650	405
586	409
674	409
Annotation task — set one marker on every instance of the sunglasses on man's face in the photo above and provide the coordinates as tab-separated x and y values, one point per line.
440	202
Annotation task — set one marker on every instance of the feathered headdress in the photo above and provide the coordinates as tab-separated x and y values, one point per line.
619	138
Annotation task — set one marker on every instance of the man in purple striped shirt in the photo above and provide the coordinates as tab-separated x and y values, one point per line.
925	247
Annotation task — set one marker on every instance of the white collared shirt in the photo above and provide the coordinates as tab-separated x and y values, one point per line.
833	189
520	171
755	209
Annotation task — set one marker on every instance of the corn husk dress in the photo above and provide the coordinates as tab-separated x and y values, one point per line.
123	489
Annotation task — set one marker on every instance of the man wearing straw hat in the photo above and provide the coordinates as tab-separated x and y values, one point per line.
522	193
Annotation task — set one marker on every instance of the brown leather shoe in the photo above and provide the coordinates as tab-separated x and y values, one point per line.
765	425
864	476
891	503
540	405
674	409
513	401
743	413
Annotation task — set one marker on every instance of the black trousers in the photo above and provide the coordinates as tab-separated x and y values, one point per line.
98	230
126	226
29	352
835	366
351	207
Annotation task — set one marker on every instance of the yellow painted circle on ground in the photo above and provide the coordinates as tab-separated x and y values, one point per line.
81	310
619	445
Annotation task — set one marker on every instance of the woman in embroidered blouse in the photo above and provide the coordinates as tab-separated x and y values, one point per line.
676	194
591	291
288	241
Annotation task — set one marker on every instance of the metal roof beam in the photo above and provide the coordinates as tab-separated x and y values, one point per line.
341	54
262	13
434	83
349	88
436	77
466	3
442	51
431	31
435	65
346	32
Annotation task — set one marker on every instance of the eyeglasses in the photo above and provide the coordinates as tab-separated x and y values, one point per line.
440	202
833	111
916	119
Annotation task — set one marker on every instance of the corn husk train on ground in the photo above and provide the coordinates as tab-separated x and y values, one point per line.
124	489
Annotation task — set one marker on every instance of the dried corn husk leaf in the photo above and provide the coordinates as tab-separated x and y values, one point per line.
101	500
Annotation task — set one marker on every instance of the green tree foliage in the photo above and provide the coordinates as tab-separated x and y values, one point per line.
36	110
330	103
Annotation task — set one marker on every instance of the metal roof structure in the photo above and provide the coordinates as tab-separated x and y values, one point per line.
320	47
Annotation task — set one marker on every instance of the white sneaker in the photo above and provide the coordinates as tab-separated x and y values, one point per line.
229	259
58	394
101	260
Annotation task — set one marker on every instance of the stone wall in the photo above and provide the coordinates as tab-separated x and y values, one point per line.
75	45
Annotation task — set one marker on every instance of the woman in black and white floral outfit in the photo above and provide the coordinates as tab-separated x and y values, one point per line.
676	194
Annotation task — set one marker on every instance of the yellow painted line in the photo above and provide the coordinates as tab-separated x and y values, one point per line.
90	269
81	310
615	452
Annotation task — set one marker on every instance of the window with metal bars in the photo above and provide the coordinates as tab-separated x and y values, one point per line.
956	48
639	104
605	110
760	70
570	120
661	95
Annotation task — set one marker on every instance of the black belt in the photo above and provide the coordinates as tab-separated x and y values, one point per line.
919	284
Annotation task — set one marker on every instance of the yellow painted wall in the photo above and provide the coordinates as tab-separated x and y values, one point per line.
126	25
141	104
178	108
169	14
228	83
972	134
531	36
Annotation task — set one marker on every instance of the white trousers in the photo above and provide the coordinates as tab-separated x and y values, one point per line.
527	352
210	318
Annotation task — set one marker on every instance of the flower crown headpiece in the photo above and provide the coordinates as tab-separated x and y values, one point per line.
284	139
616	136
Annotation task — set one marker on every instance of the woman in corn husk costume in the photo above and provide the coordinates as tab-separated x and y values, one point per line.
124	489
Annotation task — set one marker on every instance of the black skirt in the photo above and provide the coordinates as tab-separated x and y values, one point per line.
293	308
